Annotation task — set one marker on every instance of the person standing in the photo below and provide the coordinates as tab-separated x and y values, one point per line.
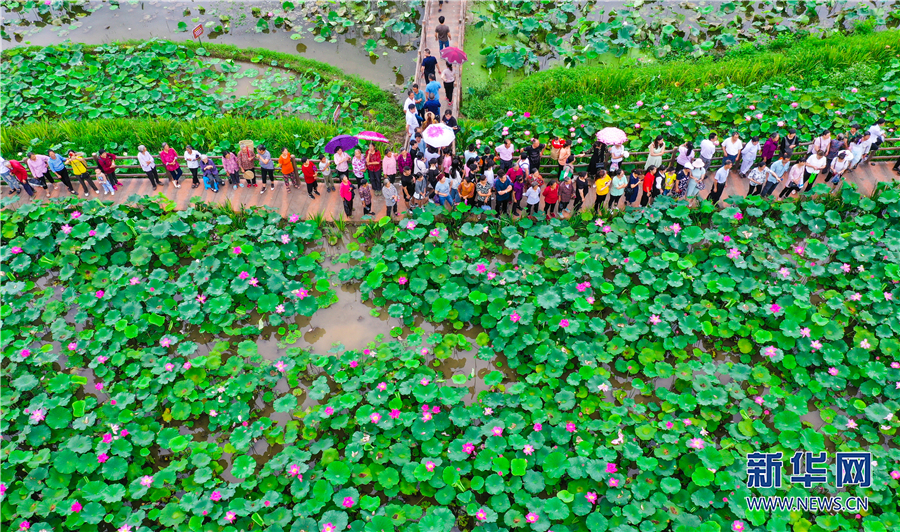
192	159
657	149
308	167
601	187
346	193
341	160
432	110
685	156
504	189
563	158
581	186
707	150
391	198
231	167
683	182
483	192
505	151
325	170
837	145
373	167
404	161
839	166
389	166
532	198
104	182
412	122
57	165
770	147
107	163
428	65
79	170
365	197
617	188
442	33
732	147
247	162
8	177
748	154
467	190
450	121
815	164
286	164
860	149
169	158
795	179
597	161
758	178
432	91
449	79
266	166
359	166
789	143
21	175
533	152
145	159
40	169
647	185
566	193
821	143
420	191
877	134
617	155
721	178
779	168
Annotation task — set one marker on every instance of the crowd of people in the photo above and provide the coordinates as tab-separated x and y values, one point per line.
502	178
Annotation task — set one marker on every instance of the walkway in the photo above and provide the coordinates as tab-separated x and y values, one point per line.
331	206
454	13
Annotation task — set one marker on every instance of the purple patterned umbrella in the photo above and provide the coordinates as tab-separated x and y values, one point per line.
438	135
611	136
345	142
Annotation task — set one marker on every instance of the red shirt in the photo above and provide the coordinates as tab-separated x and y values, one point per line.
375	158
514	173
558	143
551	194
19	171
309	172
106	163
648	182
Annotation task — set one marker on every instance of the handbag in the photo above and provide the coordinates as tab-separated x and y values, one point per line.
35	182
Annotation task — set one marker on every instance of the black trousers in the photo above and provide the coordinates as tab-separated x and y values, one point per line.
791	187
502	206
267	172
810	181
563	205
153	176
391	210
348	208
597	203
111	177
194	175
716	193
768	188
375	179
550	208
85	178
897	165
311	187
755	190
613	201
645	198
64	177
533	208
235	178
448	90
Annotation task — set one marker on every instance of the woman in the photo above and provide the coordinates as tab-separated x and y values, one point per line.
601	189
404	161
107	163
58	166
682	181
657	148
446	161
647	185
581	190
814	164
597	161
685	155
325	170
519	187
420	166
266	166
698	173
247	162
789	143
230	165
16	168
359	166
79	170
448	77
145	159
467	190
347	195
40	169
564	153
795	179
634	186
617	155
566	193
389	166
617	189
532	198
391	198
210	174
341	160
308	167
483	192
770	148
169	158
373	167
192	158
420	191
286	163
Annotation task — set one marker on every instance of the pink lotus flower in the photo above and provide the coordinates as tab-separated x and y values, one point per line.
669	425
411	224
851	424
76	507
639	103
538	427
815	344
784	273
775	308
696	443
402	281
726	239
570	427
737	526
497	431
102	457
676	228
468	448
435	232
738	216
734	253
230	516
213	413
294	470
531	517
66	229
394	413
107	438
279	309
237	250
382	386
770	351
481	515
16	250
375	417
654	319
427	416
216	496
38	415
668	122
301	293
895	474
73	346
435	410
528	450
124	528
76	215
665	107
795	105
98	386
509	113
563	323
354	363
329	410
294	218
2	488
865	343
613	482
888	296
781	123
527	115
514	317
591	497
590	300
186	365
25	352
637	126
804	332
24	525
146	481
759	400
285	239
429	466
348	502
729	95
254	281
99	294
607	229
856	297
833	371
854	90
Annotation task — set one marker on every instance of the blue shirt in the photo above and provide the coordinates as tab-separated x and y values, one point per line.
442	188
434	106
779	168
420	99
434	87
57	164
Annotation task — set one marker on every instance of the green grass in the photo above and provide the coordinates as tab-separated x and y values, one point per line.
561	87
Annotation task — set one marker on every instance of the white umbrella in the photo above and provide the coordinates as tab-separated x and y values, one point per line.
438	135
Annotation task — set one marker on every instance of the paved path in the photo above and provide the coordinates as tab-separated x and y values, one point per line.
454	13
297	202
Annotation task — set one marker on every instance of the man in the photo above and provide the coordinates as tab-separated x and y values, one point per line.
504	188
433	89
708	149
433	106
410	99
758	178
860	148
428	65
779	168
442	33
732	147
839	165
789	143
412	122
505	152
721	177
534	152
450	121
877	137
749	155
420	101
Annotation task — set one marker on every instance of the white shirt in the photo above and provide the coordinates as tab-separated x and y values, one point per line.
821	143
489	175
750	151
411	122
732	147
505	153
420	166
532	196
721	175
192	158
838	166
815	164
876	132
146	161
409	101
862	147
617	153
707	149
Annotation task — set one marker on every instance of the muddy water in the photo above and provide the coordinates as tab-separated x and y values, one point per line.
392	65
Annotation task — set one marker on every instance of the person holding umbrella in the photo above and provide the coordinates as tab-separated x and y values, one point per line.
341	161
449	78
373	167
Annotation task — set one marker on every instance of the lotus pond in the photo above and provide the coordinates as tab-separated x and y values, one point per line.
634	361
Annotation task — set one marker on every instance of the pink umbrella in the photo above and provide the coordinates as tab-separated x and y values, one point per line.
611	136
454	55
371	136
438	135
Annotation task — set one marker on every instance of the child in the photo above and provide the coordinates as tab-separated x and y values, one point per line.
104	182
365	194
671	176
